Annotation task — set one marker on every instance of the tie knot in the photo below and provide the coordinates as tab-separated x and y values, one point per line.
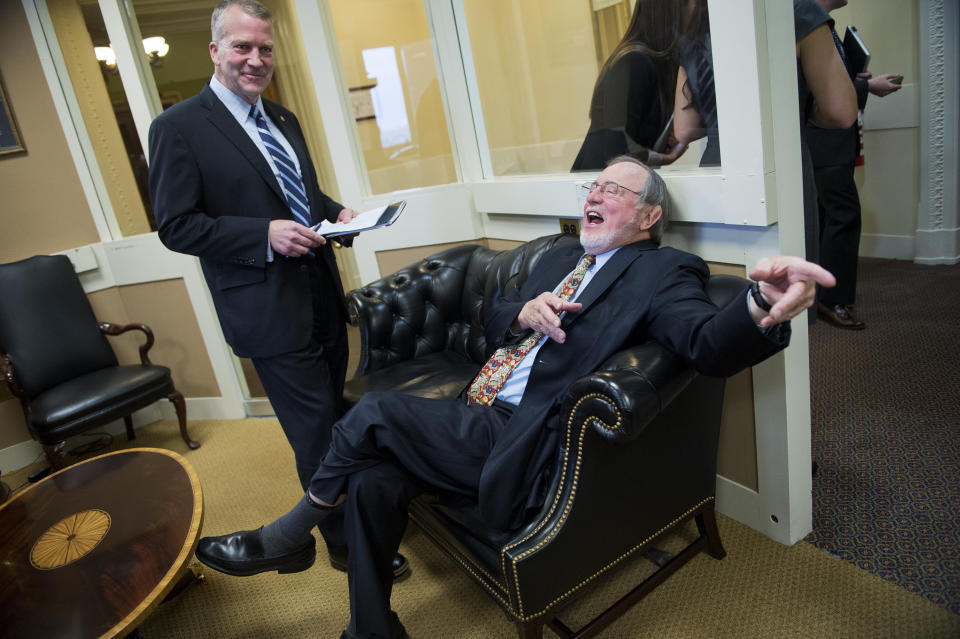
254	113
589	259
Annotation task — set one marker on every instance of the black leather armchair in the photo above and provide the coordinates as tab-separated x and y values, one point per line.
56	359
639	449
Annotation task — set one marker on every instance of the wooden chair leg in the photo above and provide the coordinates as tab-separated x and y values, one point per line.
529	629
54	453
128	423
707	525
181	406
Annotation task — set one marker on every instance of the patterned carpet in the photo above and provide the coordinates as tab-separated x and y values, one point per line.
762	589
886	430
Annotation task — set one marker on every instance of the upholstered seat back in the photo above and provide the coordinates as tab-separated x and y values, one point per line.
438	303
47	327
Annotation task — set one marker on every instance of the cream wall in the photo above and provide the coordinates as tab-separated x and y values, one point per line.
44	209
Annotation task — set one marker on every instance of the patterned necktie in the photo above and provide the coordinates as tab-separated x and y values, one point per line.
495	372
289	176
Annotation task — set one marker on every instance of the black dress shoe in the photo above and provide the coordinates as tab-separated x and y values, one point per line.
840	316
401	567
241	554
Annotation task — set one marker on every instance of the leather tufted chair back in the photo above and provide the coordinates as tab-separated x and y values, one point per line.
47	328
438	303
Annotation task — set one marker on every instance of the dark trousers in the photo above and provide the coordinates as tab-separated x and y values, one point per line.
839	212
386	450
305	388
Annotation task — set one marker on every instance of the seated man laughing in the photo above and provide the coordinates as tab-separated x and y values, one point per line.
494	444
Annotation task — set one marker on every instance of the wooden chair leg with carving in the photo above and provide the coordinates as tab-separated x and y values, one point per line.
181	406
54	453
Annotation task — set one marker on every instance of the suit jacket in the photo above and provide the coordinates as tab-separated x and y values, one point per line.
643	292
214	196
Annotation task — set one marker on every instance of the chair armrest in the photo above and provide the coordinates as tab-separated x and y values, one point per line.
628	392
115	329
637	453
6	369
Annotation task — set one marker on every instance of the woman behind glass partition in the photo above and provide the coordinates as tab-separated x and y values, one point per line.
632	103
695	110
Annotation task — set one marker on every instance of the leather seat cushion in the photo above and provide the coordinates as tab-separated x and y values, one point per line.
96	397
440	375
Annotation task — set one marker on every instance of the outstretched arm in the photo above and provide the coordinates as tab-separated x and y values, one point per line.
789	284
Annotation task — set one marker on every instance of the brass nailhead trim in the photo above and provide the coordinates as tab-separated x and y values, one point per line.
619	559
521	615
569	504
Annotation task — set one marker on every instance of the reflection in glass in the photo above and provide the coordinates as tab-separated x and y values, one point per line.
389	67
632	99
535	63
389	107
180	65
695	111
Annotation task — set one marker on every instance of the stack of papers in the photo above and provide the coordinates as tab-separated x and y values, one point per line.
366	221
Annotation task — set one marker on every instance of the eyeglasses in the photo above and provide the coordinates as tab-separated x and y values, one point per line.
611	189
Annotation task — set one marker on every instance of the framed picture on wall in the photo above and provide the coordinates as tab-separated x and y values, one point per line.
9	135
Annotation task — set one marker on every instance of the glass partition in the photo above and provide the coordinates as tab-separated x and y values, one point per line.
591	80
389	66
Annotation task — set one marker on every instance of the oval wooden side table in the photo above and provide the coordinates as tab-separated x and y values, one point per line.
91	550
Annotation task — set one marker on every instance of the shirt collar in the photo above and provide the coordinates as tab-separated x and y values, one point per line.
603	258
236	105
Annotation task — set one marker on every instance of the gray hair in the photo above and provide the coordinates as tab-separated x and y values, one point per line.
654	193
250	7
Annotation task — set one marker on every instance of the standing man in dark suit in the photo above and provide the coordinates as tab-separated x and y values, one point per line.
232	182
495	444
834	153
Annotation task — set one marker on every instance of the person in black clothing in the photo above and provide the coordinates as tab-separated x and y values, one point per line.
633	96
834	153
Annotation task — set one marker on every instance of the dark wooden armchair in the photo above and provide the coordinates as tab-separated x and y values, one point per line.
639	450
56	359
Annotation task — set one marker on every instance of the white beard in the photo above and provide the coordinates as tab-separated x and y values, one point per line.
603	240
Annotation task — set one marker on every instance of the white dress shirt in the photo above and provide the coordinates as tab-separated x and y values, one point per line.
512	390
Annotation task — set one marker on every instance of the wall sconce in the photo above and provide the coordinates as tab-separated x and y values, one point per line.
107	58
155	47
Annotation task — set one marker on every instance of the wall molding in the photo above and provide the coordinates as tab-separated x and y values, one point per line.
890	247
937	210
938	246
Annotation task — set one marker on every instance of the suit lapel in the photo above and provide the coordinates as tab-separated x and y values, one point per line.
224	121
609	274
555	269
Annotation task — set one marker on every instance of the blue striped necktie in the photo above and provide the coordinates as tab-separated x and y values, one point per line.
289	176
